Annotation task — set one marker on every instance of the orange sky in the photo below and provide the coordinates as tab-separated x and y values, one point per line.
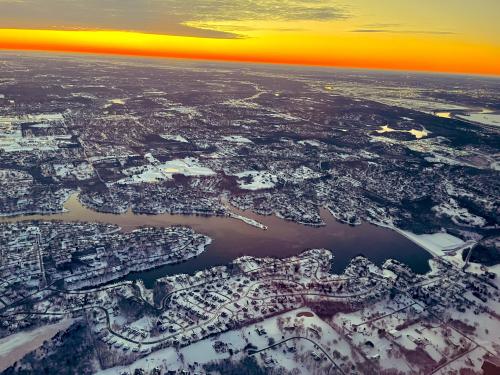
331	36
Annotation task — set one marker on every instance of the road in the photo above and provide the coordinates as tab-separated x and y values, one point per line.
216	314
317	345
299	289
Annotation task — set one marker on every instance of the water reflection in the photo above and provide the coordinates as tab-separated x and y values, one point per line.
443	114
418	134
233	238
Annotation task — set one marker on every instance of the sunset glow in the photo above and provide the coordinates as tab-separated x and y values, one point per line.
345	38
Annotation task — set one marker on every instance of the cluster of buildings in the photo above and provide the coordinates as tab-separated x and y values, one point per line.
39	256
312	318
291	314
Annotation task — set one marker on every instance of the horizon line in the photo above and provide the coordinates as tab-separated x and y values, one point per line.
66	52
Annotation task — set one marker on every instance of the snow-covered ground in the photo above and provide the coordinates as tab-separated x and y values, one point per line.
116	101
16	346
12	140
44	117
204	351
484	117
437	243
186	167
236	139
379	325
459	215
174	137
256	180
82	171
191	112
300	174
157	171
310	142
248	220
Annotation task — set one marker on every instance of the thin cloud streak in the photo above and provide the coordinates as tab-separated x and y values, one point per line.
403	31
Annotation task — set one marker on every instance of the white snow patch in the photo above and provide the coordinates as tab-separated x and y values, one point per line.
256	180
236	139
459	215
16	346
188	167
437	243
157	171
310	142
172	137
485	117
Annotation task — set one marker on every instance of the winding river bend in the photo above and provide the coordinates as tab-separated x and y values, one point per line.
233	238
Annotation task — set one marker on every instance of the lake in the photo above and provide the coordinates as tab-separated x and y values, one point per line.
233	238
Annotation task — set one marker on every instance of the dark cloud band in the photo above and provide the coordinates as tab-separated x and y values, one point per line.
159	16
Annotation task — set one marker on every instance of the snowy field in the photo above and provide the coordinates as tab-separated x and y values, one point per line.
236	139
157	171
437	243
256	180
174	137
16	346
204	351
484	117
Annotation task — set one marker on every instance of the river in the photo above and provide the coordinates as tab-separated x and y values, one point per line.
233	238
